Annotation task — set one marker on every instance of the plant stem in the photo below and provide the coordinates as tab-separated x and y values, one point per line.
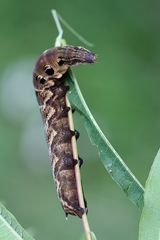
78	176
59	42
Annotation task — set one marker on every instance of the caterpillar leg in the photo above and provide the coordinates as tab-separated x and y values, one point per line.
80	161
85	203
64	112
73	110
74	210
75	162
77	134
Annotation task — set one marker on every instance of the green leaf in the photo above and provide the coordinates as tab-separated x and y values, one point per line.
10	229
109	157
149	228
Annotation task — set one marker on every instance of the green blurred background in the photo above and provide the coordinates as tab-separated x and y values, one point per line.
121	89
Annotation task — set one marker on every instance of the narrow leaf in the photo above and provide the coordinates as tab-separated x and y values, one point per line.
109	157
10	229
149	228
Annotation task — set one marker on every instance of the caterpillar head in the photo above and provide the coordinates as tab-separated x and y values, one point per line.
54	62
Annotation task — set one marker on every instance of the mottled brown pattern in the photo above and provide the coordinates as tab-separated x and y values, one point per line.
51	96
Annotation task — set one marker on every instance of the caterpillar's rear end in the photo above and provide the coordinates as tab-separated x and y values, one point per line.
51	95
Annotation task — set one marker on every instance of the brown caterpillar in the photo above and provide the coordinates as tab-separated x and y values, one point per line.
51	92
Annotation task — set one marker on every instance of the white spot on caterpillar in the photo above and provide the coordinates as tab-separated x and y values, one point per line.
49	95
50	140
50	114
56	159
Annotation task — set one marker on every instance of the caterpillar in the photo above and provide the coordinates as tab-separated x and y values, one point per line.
51	90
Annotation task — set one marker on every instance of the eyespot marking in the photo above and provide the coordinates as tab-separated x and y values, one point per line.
61	62
42	80
49	70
